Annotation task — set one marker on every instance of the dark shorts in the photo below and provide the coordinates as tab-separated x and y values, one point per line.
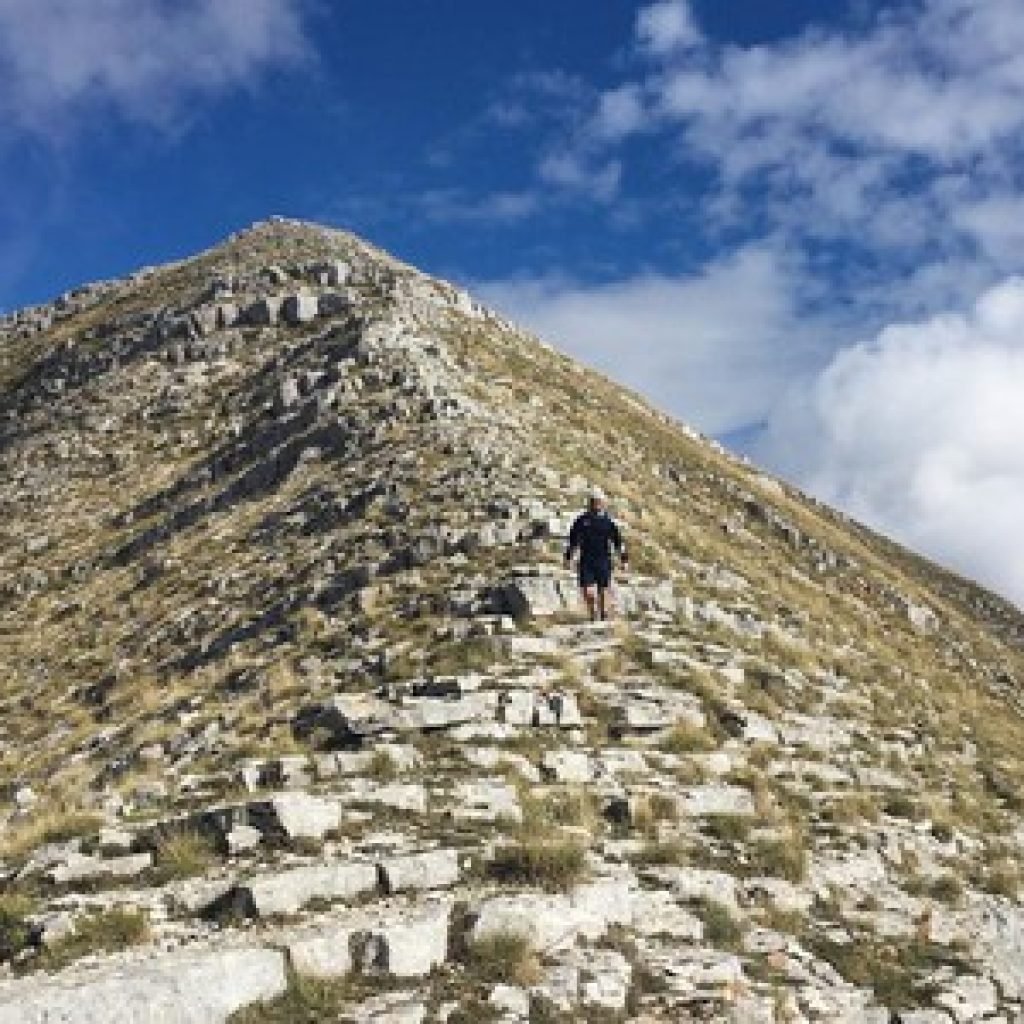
595	574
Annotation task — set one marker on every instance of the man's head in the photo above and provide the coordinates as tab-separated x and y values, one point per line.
596	500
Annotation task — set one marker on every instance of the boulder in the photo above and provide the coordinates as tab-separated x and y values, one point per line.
406	945
698	884
344	719
516	707
486	800
434	869
263	312
294	815
401	796
176	988
435	713
332	304
534	596
550	922
78	867
969	997
288	394
567	766
300	308
657	913
719	798
287	892
322	951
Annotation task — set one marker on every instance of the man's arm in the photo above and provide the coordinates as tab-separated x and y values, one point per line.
620	545
574	541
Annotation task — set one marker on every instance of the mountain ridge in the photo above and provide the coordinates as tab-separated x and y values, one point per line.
283	621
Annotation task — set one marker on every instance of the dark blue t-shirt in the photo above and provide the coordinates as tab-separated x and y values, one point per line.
594	533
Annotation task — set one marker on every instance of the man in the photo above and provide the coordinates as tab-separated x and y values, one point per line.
594	534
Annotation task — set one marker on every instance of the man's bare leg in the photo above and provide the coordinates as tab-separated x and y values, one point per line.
588	600
602	602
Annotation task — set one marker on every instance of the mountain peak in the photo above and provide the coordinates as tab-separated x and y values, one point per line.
288	640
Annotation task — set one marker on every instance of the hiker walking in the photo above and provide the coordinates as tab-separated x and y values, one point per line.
594	534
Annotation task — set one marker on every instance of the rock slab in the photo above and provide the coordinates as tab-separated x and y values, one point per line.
192	988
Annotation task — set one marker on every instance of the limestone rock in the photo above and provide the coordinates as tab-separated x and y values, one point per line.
406	945
286	892
177	988
433	869
295	815
299	309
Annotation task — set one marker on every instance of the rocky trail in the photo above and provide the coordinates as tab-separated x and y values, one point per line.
301	721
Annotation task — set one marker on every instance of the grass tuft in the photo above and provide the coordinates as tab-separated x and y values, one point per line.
104	931
503	958
551	865
183	855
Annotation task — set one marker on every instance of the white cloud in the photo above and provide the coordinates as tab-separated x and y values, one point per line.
620	112
666	26
940	80
918	432
837	133
717	347
145	59
452	206
576	173
997	223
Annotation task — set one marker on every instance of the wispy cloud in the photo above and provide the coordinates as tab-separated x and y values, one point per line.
144	60
599	180
455	206
886	137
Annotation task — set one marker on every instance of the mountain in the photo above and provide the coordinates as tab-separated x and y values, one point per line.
301	719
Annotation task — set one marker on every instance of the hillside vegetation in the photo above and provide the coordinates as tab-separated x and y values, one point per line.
301	719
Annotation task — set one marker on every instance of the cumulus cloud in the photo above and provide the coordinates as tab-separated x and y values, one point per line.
667	26
876	134
144	59
940	79
717	347
918	433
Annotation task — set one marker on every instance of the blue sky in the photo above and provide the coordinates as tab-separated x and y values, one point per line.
796	225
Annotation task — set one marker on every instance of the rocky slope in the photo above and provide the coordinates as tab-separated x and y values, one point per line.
300	720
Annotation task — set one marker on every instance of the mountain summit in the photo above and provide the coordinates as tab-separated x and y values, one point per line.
301	720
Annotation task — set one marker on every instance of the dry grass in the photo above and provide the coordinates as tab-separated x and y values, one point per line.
553	865
184	855
105	931
686	738
47	827
502	958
